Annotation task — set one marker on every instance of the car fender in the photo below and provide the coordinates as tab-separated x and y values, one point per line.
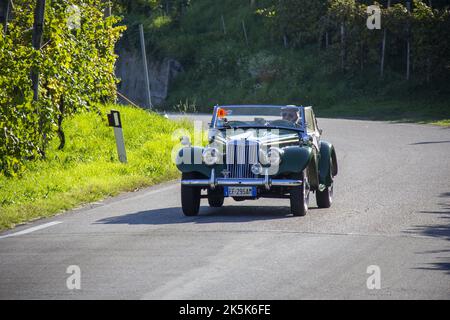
295	159
189	159
327	157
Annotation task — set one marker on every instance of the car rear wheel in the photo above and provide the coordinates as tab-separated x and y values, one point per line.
299	197
216	197
324	198
190	196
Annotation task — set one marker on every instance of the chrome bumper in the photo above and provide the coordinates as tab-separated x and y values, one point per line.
213	182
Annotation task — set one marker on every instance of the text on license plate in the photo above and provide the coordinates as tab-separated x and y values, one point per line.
240	192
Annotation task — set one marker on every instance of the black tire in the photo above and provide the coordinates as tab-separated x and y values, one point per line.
299	197
190	196
216	197
324	198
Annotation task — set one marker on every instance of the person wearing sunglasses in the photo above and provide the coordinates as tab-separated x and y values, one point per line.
290	114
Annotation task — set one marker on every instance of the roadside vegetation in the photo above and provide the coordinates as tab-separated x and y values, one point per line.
56	151
71	64
88	168
310	52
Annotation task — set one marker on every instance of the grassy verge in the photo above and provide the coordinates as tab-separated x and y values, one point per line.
441	123
418	111
87	169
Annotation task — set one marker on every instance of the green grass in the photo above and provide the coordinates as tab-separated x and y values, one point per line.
88	169
417	111
441	123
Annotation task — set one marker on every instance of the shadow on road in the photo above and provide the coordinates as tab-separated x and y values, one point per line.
229	214
428	142
443	263
438	231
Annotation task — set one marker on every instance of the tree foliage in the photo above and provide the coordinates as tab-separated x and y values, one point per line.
425	27
76	67
340	27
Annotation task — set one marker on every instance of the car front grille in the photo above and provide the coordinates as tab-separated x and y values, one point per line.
241	155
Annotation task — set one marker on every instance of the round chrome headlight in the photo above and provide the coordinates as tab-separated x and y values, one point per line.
211	156
274	156
263	157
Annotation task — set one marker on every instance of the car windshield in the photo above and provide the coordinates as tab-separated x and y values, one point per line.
288	117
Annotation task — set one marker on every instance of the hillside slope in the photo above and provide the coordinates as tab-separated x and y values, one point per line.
233	53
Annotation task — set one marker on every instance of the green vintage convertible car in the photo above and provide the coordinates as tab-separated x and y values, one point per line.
259	152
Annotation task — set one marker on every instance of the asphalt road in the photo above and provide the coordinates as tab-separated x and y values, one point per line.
391	210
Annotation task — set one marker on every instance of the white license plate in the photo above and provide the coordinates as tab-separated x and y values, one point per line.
241	192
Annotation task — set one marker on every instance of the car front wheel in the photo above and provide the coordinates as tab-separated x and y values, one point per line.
190	196
299	197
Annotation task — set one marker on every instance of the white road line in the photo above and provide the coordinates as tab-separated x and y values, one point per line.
26	231
50	224
136	197
152	192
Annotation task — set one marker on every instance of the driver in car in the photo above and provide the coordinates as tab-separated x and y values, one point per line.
290	114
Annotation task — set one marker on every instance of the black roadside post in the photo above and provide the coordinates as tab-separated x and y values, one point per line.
4	14
115	121
38	29
107	11
408	41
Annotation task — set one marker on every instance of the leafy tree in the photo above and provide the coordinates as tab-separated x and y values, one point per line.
76	71
430	41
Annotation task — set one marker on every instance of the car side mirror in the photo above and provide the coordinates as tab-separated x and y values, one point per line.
320	131
212	133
